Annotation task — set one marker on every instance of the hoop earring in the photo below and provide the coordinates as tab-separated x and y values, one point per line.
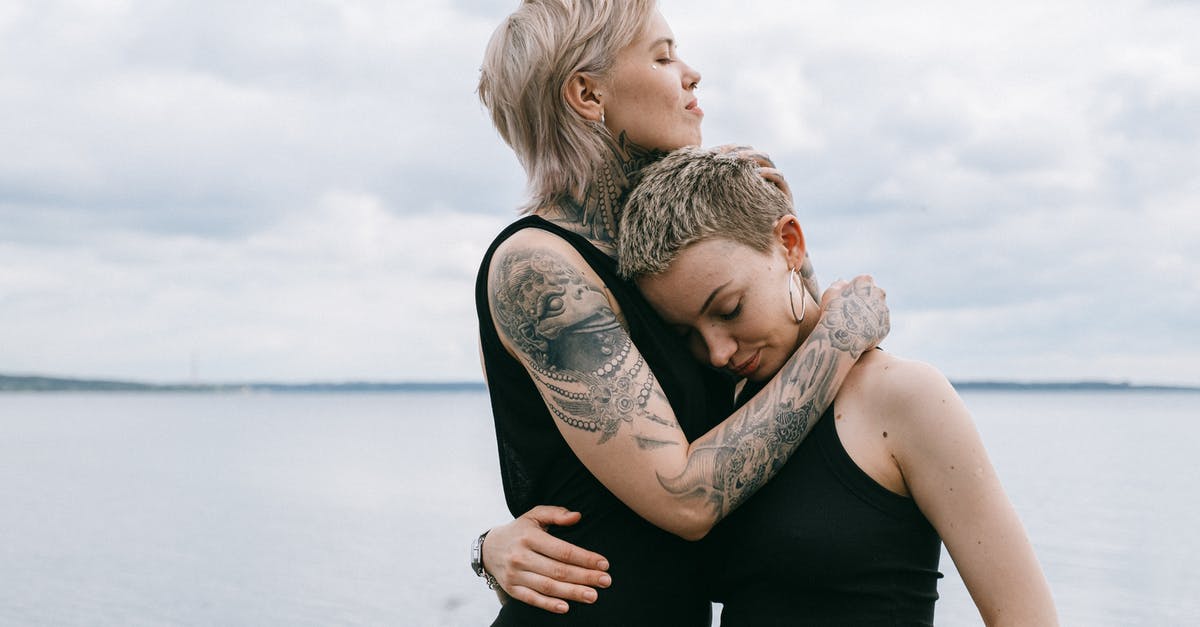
792	274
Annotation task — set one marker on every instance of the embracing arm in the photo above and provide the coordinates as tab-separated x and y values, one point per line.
536	568
952	480
556	317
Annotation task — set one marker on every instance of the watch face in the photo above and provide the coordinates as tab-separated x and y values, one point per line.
477	556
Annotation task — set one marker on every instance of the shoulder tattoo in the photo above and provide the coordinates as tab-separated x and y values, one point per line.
564	329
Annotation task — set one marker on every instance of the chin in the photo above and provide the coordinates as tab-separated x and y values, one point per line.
685	140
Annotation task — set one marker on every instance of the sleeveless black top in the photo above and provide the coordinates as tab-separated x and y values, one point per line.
656	575
824	544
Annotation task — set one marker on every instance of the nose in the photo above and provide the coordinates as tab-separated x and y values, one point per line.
717	347
691	78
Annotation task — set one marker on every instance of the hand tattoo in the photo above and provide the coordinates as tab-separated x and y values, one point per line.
857	318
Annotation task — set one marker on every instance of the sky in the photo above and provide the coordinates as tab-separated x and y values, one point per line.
229	191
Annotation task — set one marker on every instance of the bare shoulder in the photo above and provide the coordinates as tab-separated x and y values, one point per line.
905	382
535	264
534	239
893	381
910	396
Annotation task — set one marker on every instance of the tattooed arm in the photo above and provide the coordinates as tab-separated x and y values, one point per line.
556	317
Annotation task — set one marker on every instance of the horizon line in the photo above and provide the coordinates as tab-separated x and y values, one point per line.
34	382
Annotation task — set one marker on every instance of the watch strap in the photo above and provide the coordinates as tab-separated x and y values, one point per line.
477	562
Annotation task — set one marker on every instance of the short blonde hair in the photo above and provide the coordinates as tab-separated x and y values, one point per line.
691	195
523	80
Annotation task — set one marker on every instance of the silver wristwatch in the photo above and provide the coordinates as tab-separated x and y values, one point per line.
477	562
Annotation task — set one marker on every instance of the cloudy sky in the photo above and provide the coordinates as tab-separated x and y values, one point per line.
302	190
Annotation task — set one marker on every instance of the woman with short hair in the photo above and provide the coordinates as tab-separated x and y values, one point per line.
850	531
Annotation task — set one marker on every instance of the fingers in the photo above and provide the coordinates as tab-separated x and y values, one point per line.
728	148
548	572
527	595
759	157
563	552
537	568
561	581
836	290
749	152
864	286
548	515
775	177
856	313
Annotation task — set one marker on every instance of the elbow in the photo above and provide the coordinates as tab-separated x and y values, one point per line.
691	523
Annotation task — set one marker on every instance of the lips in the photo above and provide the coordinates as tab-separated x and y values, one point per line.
694	107
746	368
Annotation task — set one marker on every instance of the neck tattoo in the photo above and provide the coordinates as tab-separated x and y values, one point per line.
597	215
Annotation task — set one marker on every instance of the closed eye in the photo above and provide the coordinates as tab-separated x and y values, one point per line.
733	313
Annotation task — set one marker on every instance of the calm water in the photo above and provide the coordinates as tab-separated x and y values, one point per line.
359	509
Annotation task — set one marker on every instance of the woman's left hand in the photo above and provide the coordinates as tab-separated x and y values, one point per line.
766	167
537	568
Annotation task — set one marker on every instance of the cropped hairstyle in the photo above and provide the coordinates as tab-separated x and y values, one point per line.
691	195
529	61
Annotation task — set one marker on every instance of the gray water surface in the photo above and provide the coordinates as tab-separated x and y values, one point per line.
348	509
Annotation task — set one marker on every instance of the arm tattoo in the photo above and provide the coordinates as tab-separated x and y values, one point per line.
808	277
563	328
749	449
648	444
730	464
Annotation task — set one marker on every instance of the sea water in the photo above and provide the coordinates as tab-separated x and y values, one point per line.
359	509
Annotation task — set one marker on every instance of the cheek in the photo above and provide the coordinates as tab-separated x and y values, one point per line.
650	93
697	347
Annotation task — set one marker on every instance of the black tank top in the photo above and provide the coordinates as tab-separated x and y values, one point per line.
656	575
824	544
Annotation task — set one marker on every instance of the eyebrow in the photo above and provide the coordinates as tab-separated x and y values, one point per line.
667	40
710	298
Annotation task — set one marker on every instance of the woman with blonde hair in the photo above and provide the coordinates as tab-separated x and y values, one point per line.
598	407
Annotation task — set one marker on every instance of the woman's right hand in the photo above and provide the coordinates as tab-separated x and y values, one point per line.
534	567
856	314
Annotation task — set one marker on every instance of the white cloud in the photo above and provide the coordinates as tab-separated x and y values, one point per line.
344	289
303	191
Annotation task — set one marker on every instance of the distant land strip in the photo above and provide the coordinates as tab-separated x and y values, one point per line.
58	384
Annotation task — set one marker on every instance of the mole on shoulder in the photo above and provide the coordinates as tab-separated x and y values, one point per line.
885	434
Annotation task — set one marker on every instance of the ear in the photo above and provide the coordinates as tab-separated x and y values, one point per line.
791	237
583	95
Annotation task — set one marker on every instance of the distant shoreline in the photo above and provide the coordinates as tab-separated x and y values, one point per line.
59	384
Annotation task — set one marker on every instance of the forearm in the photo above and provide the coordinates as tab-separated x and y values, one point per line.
553	314
731	462
808	276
